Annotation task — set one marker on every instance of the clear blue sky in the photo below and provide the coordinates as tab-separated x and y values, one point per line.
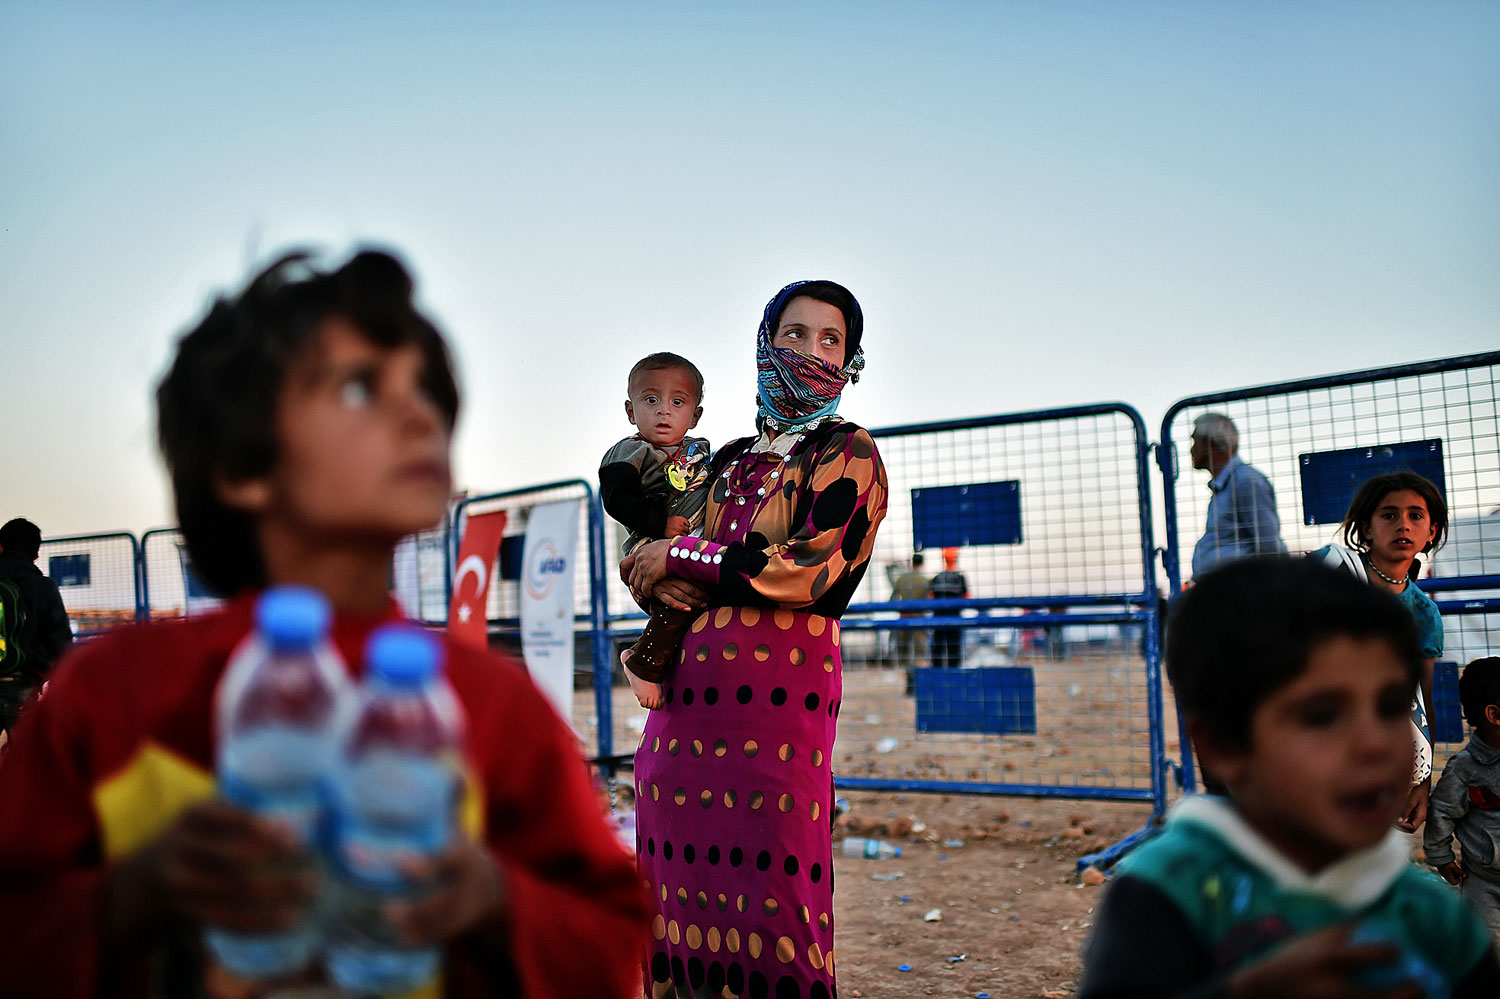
1038	204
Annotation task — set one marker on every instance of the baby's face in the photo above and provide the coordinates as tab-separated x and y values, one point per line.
663	405
1330	757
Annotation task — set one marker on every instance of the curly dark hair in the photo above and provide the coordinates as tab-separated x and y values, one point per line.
217	401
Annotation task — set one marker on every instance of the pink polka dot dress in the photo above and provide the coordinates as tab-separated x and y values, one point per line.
733	775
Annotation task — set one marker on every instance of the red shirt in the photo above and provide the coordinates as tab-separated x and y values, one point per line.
123	743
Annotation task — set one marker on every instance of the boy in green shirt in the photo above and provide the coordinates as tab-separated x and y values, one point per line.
1295	682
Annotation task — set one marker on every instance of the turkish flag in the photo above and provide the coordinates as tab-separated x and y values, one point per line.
471	581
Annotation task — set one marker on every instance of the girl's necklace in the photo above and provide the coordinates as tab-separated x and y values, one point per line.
1376	569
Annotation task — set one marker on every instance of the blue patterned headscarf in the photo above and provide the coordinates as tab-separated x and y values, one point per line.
797	388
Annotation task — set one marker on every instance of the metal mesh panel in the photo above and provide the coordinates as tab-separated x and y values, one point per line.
96	577
419	575
1079	495
165	569
1053	698
1453	401
1053	694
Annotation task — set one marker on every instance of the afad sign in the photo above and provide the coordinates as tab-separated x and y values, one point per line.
547	597
545	565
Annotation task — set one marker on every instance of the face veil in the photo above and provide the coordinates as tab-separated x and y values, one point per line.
796	388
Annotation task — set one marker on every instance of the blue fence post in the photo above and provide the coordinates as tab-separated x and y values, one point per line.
603	648
141	597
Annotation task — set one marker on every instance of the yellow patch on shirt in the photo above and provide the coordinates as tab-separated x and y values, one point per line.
138	803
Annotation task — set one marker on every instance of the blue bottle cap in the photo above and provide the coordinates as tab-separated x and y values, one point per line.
292	617
403	656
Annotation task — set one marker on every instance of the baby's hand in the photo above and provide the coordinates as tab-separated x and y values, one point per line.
677	526
1451	872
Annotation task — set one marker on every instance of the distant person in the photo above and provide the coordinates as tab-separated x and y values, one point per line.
654	482
306	423
34	626
1466	800
950	584
909	644
1242	517
1057	636
1393	519
1293	680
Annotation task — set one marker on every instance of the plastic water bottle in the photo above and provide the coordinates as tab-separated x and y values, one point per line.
394	801
856	846
274	714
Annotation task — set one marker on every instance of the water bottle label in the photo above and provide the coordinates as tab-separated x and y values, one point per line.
379	858
872	848
298	811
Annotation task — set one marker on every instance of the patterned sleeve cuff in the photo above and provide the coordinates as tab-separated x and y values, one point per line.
695	560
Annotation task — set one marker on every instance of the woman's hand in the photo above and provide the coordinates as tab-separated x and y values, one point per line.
644	568
679	594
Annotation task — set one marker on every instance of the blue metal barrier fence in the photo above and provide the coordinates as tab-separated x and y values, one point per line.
1317	439
1059	693
97	576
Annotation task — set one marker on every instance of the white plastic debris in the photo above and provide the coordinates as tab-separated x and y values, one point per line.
933	916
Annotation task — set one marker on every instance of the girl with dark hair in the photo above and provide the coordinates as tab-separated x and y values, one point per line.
1392	519
734	779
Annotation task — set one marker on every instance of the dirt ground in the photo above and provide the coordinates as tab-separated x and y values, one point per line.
1014	914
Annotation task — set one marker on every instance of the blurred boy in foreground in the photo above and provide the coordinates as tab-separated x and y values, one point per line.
306	425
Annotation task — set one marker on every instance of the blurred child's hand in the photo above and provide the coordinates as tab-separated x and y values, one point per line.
1321	964
677	526
1415	812
217	865
467	890
1451	872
